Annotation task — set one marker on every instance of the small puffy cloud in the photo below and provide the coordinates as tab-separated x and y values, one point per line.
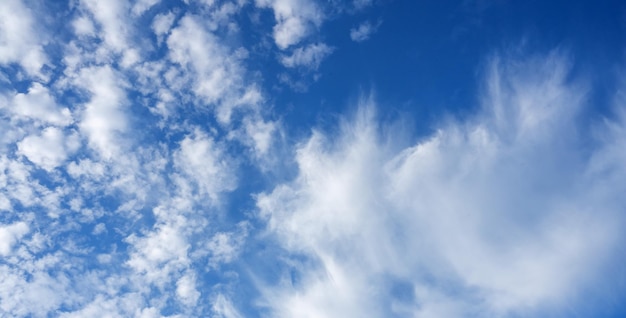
200	52
261	133
363	31
83	25
309	57
161	252
103	119
50	149
206	165
142	6
213	69
186	290
87	167
10	234
224	247
112	18
38	105
115	30
162	23
19	41
295	19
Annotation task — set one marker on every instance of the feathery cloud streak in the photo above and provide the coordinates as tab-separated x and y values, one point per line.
504	213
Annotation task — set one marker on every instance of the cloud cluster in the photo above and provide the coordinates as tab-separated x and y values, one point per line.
112	191
142	174
20	41
504	213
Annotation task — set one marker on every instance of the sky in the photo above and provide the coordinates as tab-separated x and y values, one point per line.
308	158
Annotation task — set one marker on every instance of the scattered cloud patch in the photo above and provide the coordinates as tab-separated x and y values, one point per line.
295	19
111	18
103	118
83	26
308	57
363	31
162	23
186	290
142	6
50	149
10	234
19	40
215	73
39	105
154	163
204	162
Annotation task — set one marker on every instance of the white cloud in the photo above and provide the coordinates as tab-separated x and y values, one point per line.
14	178
162	23
10	234
125	305
99	228
142	6
224	308
310	56
103	119
363	31
37	296
5	203
261	133
214	69
39	105
50	149
94	170
111	17
126	228
201	53
504	206
19	41
186	290
161	252
116	30
224	247
83	25
295	19
205	163
497	215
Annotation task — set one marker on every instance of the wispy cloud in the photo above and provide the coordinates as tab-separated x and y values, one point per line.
362	4
308	57
149	167
364	31
496	215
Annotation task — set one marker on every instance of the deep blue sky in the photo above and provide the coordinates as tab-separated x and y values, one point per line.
427	56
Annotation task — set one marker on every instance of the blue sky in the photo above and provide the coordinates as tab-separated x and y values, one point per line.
303	158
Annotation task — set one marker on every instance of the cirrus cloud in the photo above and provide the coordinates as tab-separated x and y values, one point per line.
504	213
